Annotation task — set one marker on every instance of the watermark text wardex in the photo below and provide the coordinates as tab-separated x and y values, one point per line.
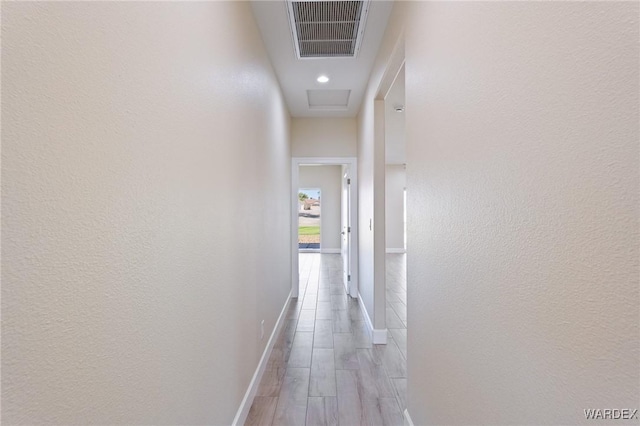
610	413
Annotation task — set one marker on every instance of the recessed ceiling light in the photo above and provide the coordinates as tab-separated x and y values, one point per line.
323	79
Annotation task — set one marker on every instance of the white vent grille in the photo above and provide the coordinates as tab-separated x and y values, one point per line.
324	29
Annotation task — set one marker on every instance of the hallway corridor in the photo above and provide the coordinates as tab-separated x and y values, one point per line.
155	158
324	369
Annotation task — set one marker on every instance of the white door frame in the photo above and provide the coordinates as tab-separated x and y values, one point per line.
346	240
352	163
395	64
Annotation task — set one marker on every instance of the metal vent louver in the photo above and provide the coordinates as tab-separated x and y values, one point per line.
324	29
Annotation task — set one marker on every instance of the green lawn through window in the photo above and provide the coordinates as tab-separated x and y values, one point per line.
309	230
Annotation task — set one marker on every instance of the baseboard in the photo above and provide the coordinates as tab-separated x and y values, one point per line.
378	335
245	405
328	251
331	250
396	250
407	419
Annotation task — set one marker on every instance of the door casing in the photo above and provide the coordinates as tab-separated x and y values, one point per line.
352	165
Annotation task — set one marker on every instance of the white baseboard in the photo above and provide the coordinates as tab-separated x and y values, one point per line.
378	336
396	250
331	250
245	405
407	419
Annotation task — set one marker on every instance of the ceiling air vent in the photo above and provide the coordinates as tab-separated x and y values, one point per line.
327	29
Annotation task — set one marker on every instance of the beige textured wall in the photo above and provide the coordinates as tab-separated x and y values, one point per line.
323	137
522	140
143	219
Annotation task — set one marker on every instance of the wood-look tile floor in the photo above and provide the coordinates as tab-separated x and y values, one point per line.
324	370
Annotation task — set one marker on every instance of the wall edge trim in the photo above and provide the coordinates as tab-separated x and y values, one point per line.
378	335
247	401
407	418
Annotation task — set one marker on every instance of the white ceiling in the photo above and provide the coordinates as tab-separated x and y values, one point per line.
394	122
297	76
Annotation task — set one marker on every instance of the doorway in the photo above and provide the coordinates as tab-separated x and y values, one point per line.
337	235
396	214
309	219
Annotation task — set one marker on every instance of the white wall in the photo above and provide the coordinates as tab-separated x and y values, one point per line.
323	137
329	180
523	170
130	189
395	183
366	225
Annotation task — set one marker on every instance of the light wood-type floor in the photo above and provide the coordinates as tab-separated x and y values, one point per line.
323	369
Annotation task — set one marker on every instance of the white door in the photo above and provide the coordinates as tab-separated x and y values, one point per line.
346	229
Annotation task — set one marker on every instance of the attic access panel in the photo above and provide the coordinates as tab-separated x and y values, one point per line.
327	29
328	99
